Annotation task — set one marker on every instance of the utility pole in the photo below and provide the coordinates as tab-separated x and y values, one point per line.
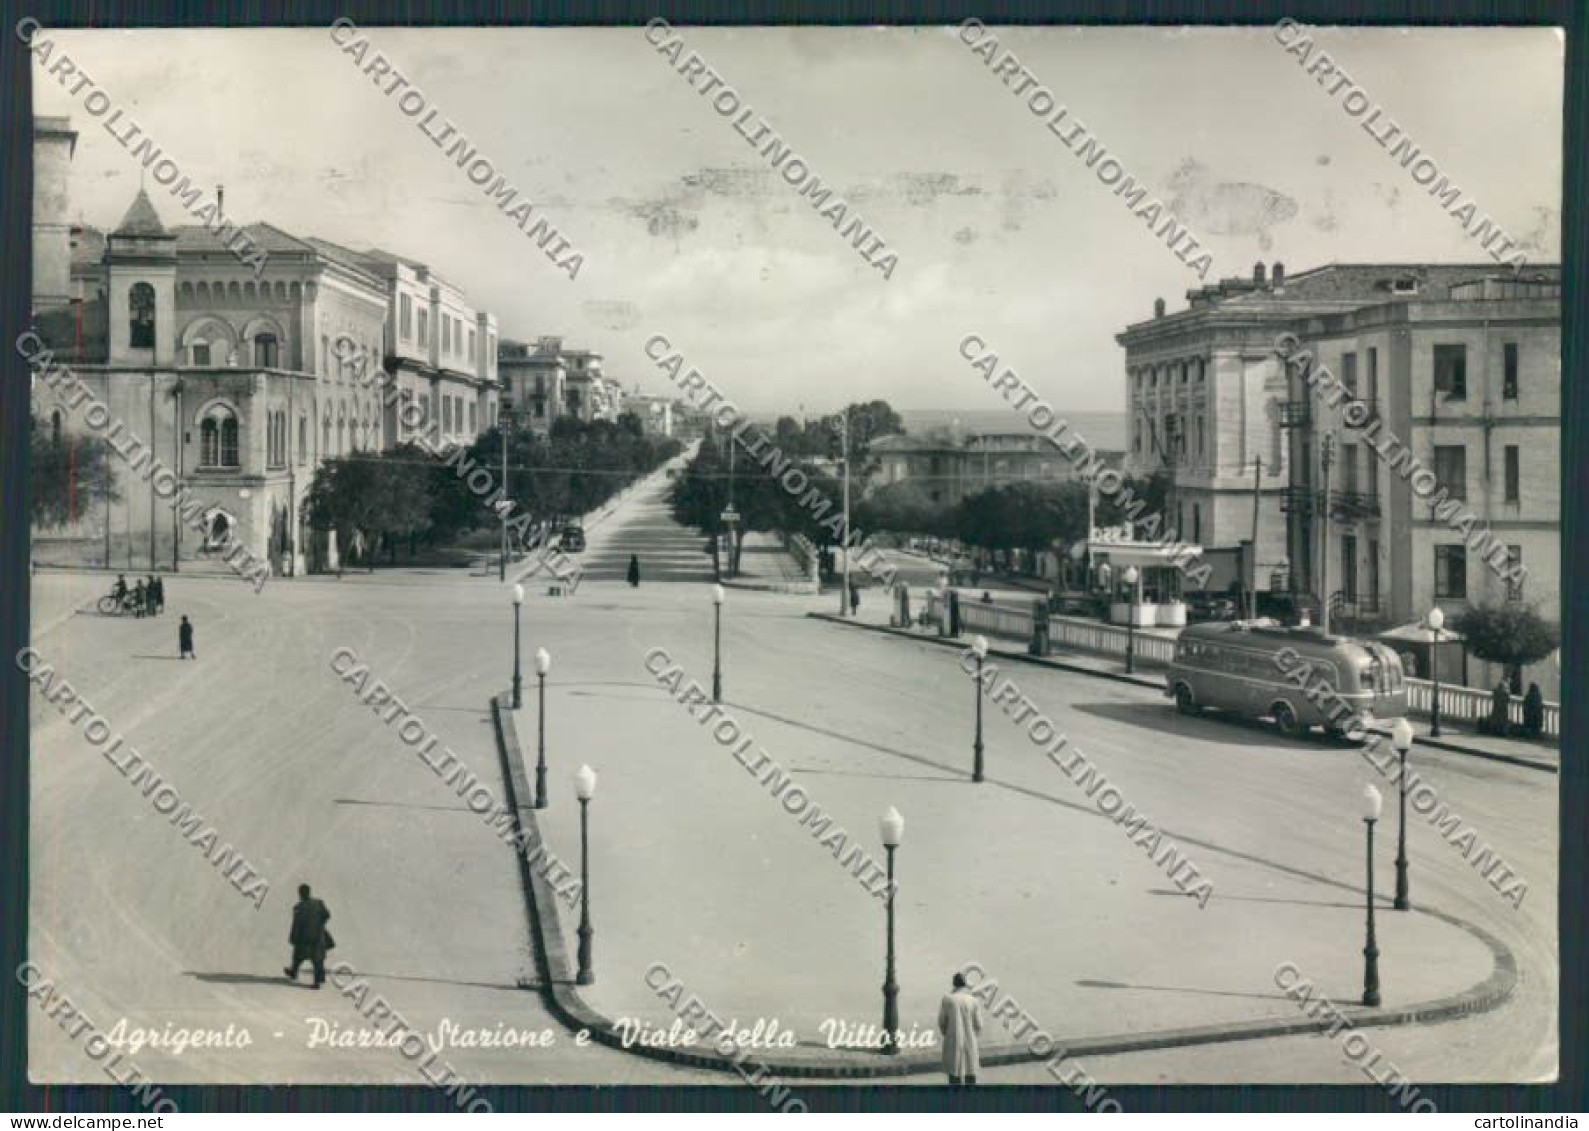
844	462
1326	453
1252	595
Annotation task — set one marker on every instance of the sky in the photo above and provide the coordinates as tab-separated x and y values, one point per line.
685	230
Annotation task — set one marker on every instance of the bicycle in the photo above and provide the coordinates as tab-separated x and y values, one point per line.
111	606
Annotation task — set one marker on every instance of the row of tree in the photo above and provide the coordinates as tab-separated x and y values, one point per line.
410	494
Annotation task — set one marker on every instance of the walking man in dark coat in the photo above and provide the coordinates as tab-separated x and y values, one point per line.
634	570
140	599
185	640
309	938
157	595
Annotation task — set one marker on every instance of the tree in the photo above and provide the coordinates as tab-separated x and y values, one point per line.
372	495
1510	634
1023	516
69	471
1154	492
904	508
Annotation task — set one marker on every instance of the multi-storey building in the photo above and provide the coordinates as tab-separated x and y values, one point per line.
950	468
1457	364
234	378
546	380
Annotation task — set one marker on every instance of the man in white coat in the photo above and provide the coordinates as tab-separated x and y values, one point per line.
960	1020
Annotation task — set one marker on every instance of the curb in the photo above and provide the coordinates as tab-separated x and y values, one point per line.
564	1001
1121	677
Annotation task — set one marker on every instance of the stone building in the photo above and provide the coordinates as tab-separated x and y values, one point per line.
1460	365
948	468
547	380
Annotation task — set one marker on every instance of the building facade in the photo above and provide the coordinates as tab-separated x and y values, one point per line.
949	468
1458	365
240	381
547	380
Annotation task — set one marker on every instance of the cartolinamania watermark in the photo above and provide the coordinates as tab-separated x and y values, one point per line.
693	1012
689	694
792	478
162	167
1154	531
412	1044
1024	1027
166	484
161	794
476	166
479	479
765	140
1044	106
59	1008
1042	732
1397	456
1424	172
1289	978
452	772
1320	690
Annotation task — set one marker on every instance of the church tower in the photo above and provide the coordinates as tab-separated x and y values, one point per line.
141	279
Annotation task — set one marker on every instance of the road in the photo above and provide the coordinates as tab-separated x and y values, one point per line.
694	864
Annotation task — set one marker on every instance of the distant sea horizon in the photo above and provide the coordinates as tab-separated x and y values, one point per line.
1100	428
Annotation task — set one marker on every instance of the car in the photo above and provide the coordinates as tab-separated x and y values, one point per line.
572	540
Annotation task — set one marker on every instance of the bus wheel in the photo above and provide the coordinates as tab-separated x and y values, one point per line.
1286	720
1184	701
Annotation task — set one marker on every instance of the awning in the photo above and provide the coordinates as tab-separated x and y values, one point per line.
1144	555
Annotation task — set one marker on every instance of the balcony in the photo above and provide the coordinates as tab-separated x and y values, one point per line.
1298	500
1296	414
1353	505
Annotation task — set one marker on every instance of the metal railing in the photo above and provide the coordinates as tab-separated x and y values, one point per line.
1295	414
1354	504
1110	640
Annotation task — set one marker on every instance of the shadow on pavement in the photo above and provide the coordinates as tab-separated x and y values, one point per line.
229	979
1228	730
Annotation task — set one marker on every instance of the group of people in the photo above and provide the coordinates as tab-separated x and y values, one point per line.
148	596
1499	721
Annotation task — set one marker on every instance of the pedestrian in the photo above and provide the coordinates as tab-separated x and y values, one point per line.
185	640
855	599
960	1020
151	594
634	570
1499	721
140	598
1533	712
309	937
987	598
159	594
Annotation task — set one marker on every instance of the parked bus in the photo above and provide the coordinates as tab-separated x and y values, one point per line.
1237	666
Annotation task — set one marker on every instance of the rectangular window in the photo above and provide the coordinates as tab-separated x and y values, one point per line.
1349	467
424	328
472	340
1372	391
1349	372
446	334
424	409
303	438
1371	488
1514	478
201	353
1451	372
1451	572
1451	469
472	429
1509	371
407	319
1373	570
446	414
1514	586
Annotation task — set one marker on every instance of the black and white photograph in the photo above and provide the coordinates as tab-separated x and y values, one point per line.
793	558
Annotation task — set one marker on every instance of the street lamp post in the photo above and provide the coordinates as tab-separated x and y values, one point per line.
717	643
543	664
1437	620
892	826
518	680
730	519
979	645
1371	806
1132	601
1401	737
584	789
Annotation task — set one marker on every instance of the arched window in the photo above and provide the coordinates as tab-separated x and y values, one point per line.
265	351
140	310
218	438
